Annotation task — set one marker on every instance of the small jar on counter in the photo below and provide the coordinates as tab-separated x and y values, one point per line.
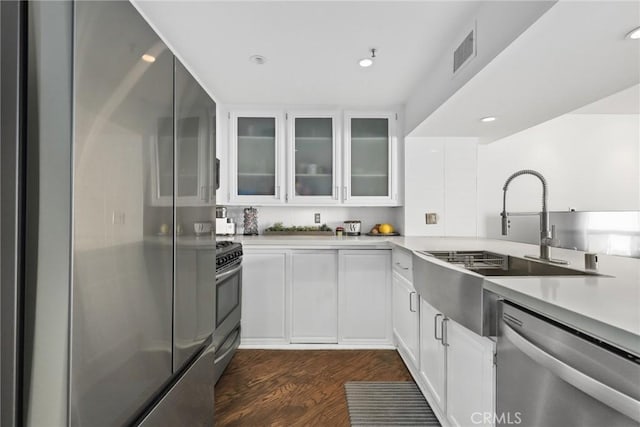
339	231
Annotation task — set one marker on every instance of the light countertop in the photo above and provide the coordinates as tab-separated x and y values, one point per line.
605	307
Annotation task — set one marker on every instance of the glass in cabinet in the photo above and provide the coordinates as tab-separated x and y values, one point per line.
369	158
193	130
195	136
256	165
313	158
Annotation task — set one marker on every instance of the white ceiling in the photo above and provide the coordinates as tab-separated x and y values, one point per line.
312	47
575	54
624	102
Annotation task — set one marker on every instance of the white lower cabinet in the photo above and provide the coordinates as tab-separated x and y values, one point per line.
470	376
364	295
457	369
314	296
322	296
432	355
406	320
264	300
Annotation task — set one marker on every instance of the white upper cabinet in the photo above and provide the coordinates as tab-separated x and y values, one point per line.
370	159
314	162
306	163
257	172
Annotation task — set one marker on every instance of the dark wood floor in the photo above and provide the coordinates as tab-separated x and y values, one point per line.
298	388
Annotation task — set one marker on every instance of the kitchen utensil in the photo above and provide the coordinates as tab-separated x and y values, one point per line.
352	227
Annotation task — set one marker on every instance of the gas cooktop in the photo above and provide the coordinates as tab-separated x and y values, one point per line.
227	253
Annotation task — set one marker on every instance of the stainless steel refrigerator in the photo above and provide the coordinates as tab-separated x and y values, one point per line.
107	140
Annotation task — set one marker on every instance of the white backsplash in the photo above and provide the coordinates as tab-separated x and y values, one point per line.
332	216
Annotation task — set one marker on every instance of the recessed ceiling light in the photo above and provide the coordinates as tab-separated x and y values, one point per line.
257	59
634	34
368	62
148	58
488	119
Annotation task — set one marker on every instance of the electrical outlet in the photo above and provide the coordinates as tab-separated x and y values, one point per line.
431	218
317	218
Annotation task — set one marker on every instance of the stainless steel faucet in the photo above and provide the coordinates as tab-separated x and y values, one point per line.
547	237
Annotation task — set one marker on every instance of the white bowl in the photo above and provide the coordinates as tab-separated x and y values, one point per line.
202	227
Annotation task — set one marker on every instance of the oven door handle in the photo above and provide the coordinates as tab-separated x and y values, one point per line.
222	276
594	388
233	337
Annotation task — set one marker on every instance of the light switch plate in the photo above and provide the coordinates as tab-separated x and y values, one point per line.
431	218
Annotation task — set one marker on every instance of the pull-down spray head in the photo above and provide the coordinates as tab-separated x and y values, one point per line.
505	224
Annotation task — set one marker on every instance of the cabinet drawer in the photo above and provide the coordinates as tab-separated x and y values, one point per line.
402	263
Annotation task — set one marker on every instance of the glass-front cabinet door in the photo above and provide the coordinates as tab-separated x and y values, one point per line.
194	133
257	158
313	160
370	159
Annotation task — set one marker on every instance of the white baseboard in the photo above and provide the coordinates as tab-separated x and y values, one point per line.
317	346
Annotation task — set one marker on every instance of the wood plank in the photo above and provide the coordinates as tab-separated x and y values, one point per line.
298	387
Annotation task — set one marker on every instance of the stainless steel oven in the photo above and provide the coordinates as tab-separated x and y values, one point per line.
551	375
226	337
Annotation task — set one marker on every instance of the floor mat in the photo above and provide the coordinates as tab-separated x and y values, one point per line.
388	403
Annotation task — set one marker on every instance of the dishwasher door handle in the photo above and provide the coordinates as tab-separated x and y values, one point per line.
594	388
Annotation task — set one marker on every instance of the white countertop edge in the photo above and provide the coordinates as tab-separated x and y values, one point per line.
618	332
605	332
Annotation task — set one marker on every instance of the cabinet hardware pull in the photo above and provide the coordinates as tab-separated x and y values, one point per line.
203	193
337	193
344	193
400	265
411	294
435	327
277	192
445	332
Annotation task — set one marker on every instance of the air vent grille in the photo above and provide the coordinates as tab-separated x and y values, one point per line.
464	52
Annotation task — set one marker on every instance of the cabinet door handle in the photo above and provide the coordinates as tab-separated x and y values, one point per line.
277	195
435	327
203	191
344	193
337	193
400	265
445	333
411	294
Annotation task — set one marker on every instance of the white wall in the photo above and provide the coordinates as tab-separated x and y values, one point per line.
332	216
440	177
591	162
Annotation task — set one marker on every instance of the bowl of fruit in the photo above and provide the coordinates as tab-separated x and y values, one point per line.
383	230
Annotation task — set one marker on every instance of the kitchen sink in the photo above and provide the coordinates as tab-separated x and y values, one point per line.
493	264
461	296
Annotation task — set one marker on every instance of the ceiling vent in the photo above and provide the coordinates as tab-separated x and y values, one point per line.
465	52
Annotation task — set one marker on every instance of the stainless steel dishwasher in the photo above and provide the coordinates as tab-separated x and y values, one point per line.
550	375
